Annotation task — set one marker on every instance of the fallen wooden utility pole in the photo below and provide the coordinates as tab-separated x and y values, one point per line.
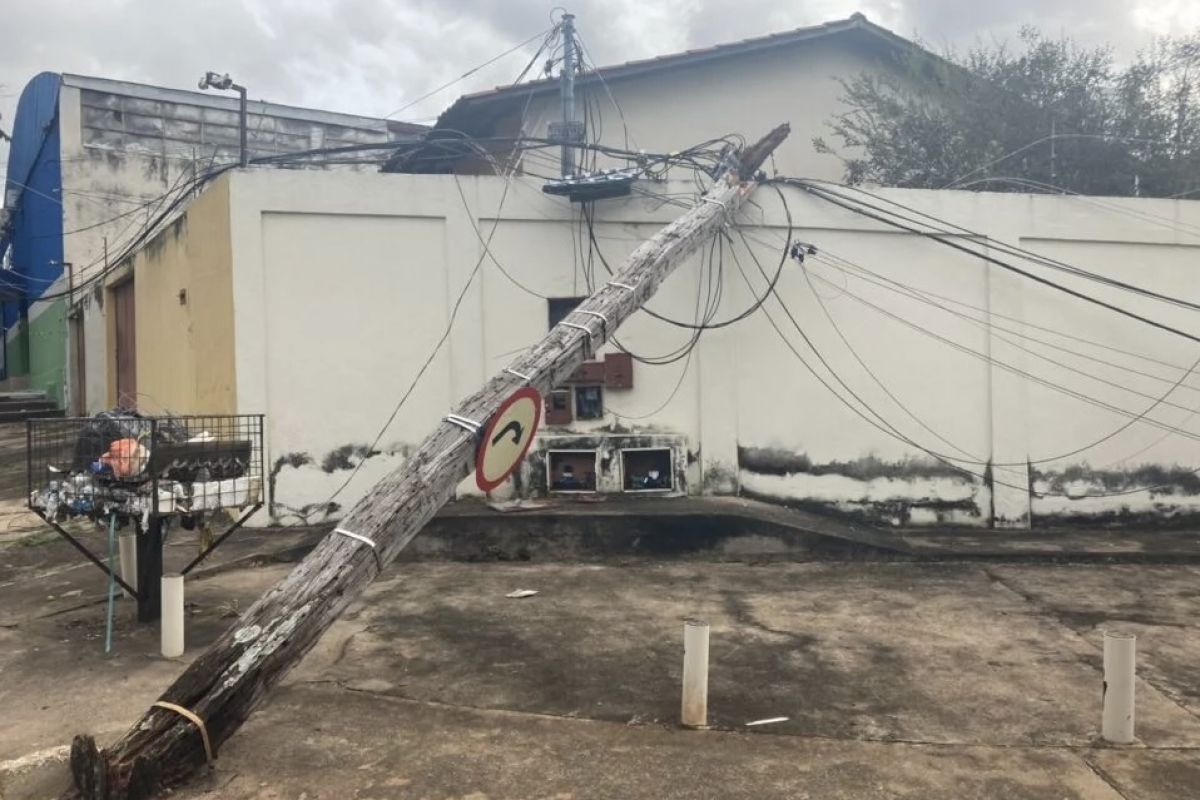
215	695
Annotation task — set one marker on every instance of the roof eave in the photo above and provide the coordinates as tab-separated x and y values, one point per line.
856	22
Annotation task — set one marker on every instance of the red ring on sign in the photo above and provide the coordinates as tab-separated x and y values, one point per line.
526	392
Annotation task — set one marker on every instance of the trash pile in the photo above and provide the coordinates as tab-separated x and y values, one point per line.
122	463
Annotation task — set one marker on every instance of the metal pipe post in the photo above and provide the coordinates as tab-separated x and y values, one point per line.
567	89
1120	653
242	124
150	566
694	708
171	623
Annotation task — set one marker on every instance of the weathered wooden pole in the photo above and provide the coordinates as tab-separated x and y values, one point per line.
216	694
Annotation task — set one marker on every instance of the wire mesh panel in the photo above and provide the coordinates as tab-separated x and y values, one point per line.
137	467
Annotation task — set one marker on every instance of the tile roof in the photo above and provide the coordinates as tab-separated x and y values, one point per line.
855	22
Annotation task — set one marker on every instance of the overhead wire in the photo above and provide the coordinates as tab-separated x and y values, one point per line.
599	75
472	71
1134	417
987	477
942	239
896	434
822	188
1046	188
860	272
486	253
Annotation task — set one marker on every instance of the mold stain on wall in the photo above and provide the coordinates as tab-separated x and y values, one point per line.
903	492
1146	495
327	473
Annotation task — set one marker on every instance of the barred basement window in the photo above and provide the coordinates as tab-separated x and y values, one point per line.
571	470
647	469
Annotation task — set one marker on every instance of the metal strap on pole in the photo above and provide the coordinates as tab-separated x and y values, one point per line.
369	542
468	425
521	375
589	348
603	321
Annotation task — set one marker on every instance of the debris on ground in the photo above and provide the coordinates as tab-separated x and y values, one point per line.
519	505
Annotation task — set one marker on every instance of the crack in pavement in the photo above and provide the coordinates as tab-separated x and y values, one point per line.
1099	772
1050	612
410	700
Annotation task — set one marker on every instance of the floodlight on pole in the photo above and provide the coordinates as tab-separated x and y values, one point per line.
213	80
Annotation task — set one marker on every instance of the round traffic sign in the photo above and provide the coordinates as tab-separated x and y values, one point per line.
506	437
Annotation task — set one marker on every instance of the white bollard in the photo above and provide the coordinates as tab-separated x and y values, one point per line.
1120	653
128	545
694	712
172	615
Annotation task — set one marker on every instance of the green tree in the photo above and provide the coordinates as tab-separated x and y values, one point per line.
1051	113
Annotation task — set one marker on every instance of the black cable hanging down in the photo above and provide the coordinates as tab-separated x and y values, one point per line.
1133	417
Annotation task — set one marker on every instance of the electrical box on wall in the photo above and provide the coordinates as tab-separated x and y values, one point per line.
558	407
618	371
583	396
588	372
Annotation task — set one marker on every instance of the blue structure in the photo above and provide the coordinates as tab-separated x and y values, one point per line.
34	332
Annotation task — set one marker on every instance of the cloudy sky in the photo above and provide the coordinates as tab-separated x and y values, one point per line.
374	56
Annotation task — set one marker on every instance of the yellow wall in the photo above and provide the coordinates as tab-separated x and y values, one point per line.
184	346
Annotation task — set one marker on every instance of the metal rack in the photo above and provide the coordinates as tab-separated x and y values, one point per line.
125	469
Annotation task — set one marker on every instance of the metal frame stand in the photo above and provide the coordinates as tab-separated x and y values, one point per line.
150	570
150	559
247	428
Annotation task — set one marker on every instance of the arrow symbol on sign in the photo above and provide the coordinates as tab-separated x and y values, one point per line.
517	432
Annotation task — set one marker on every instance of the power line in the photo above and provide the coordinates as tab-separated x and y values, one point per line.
1021	373
820	379
1052	137
895	433
985	477
1133	418
1144	216
600	76
940	238
437	348
912	414
151	226
907	290
508	179
949	229
473	70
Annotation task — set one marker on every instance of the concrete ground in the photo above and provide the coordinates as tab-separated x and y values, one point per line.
924	681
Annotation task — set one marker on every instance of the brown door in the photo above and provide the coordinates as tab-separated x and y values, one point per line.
78	366
125	317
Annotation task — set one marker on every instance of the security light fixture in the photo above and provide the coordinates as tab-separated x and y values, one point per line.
212	80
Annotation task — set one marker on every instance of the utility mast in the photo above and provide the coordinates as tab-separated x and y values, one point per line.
566	83
206	705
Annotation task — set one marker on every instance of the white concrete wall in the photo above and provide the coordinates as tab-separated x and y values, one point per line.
105	196
128	149
344	283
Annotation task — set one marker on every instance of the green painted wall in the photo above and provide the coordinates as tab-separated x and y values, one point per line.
48	350
17	352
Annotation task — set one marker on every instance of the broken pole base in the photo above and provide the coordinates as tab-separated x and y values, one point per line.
91	774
